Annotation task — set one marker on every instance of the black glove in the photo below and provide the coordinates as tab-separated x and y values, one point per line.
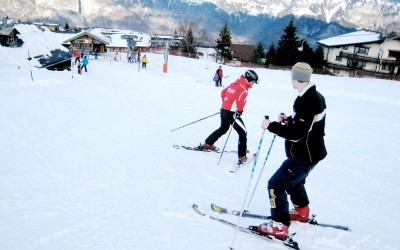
239	113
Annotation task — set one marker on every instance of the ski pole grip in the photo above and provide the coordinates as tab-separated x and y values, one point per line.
266	117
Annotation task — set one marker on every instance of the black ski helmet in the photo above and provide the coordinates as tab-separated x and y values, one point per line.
251	75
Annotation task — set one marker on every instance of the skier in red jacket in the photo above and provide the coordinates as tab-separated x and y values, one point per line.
233	101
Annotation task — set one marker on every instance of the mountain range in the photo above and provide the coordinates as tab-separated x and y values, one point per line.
249	21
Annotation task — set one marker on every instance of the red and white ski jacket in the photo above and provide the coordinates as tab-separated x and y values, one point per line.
234	96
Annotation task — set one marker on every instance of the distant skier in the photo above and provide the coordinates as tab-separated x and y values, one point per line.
144	61
79	68
305	147
82	51
77	56
218	77
139	54
85	62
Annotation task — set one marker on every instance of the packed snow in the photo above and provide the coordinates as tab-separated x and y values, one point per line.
86	161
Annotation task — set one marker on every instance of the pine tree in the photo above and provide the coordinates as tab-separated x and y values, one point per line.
287	51
258	54
66	27
317	60
271	55
224	43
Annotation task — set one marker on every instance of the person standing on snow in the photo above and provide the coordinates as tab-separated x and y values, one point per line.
82	51
79	66
85	62
304	146
139	54
77	56
218	74
144	61
233	101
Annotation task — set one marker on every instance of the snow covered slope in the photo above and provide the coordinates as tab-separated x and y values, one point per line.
86	161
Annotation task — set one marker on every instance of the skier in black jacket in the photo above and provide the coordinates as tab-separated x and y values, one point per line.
304	146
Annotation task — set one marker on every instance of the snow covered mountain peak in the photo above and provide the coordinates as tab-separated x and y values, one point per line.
353	13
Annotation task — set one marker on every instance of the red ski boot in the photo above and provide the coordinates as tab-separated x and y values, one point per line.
300	214
275	229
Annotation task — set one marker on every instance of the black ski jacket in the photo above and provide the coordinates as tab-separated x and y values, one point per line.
304	132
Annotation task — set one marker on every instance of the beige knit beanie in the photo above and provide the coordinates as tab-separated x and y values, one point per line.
302	72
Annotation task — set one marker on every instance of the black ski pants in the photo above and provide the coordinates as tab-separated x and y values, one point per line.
227	118
288	179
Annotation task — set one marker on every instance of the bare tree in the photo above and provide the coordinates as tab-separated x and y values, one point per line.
200	34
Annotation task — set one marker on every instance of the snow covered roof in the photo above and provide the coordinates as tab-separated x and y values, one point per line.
39	43
47	24
93	32
357	37
7	31
57	56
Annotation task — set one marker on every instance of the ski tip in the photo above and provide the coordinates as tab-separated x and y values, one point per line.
215	208
198	210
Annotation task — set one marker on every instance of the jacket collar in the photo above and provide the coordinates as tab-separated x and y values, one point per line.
311	84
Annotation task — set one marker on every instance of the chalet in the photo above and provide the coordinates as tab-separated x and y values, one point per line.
91	39
8	37
363	54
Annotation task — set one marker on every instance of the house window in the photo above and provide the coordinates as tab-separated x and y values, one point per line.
362	50
356	64
389	68
338	59
11	40
349	63
345	47
392	54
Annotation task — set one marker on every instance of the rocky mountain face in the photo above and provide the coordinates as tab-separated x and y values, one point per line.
249	21
360	14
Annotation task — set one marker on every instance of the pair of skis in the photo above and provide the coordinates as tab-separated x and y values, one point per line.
288	242
195	149
233	169
311	221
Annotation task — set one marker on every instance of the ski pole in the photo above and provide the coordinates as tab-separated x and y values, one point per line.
195	121
233	123
30	68
248	186
262	170
72	66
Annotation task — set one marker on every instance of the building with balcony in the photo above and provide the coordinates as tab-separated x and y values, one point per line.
363	54
158	41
